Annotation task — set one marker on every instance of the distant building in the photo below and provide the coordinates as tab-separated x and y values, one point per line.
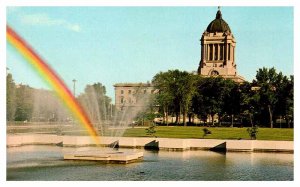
133	95
217	59
218	51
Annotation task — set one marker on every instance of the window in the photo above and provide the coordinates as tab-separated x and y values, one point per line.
122	91
216	51
145	91
129	91
210	52
122	100
214	73
221	52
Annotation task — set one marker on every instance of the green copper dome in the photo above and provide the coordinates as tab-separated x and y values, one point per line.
218	24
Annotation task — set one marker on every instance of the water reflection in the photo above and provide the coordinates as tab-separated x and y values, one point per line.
32	162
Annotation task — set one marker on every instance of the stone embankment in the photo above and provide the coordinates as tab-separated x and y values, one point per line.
154	143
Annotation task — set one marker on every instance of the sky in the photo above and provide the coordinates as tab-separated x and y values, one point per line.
131	44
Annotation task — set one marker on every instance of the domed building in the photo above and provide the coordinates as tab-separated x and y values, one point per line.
218	51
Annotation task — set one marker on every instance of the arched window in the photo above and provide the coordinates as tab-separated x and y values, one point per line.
214	73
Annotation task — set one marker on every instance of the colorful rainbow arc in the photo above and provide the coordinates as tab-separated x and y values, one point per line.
53	80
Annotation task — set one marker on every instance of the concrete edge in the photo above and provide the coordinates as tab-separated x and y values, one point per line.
169	144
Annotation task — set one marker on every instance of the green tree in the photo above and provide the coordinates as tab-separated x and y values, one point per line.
249	101
231	99
10	98
176	89
284	107
210	96
186	90
198	108
164	98
268	81
96	102
24	103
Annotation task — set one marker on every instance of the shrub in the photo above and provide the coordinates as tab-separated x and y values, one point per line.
252	132
206	132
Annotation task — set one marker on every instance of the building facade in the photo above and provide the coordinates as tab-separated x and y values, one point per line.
217	59
133	95
218	51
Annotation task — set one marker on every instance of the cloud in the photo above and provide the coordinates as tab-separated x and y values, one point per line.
74	27
45	20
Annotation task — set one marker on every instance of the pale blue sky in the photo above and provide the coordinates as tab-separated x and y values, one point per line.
131	44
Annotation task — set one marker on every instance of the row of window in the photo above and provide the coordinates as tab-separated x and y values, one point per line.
216	52
132	92
131	101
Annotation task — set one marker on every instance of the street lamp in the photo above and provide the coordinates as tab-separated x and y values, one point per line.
74	81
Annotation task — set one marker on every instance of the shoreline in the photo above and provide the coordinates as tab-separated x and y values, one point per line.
170	144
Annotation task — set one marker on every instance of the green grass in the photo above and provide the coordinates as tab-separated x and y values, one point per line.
172	132
217	133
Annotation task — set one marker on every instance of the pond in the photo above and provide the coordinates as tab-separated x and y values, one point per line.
45	163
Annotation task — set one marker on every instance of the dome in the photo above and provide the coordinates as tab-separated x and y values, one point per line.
218	24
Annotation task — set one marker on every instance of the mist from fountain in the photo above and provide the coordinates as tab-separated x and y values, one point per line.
127	115
49	110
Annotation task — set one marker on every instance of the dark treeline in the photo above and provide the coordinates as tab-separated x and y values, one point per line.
264	101
24	103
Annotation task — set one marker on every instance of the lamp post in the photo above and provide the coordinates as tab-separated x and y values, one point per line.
74	82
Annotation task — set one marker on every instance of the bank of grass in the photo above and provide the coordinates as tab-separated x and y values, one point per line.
216	133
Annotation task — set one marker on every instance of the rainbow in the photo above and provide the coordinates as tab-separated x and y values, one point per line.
51	78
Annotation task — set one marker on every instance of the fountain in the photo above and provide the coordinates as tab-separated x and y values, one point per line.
107	157
74	107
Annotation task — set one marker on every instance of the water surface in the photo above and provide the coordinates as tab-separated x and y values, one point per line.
46	163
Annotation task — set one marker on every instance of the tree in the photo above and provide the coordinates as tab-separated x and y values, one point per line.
48	107
269	82
284	107
232	99
95	101
24	103
176	89
10	98
249	101
185	92
210	96
165	96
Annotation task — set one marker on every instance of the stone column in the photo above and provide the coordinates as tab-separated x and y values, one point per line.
225	52
205	53
229	51
219	52
202	51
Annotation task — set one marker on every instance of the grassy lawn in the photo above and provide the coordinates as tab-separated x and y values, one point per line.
171	132
217	133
